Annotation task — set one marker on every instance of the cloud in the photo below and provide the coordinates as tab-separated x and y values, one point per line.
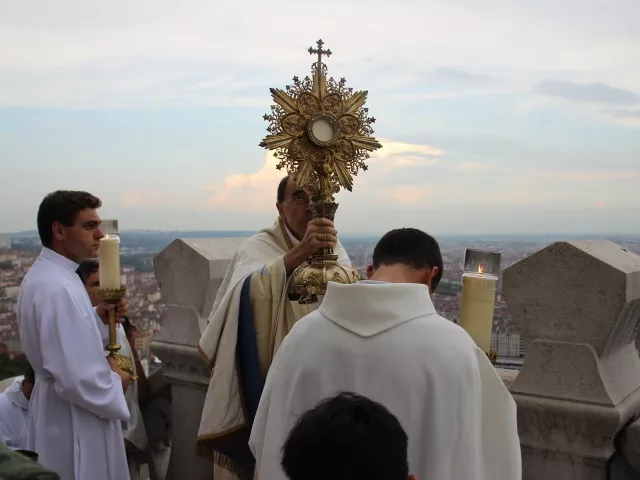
455	75
407	195
587	93
625	116
470	166
394	155
156	198
593	175
255	192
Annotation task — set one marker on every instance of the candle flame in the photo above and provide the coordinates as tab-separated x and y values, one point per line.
480	269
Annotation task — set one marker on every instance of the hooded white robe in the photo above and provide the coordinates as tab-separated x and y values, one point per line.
77	404
386	342
14	416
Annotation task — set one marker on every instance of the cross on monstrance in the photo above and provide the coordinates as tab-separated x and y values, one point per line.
319	51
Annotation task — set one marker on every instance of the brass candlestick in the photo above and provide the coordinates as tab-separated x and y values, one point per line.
321	134
109	295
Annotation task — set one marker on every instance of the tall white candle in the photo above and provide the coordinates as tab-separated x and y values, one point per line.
476	311
109	258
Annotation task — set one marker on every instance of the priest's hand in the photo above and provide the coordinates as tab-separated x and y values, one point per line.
121	308
320	234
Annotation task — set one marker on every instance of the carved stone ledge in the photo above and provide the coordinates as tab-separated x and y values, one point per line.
577	307
182	364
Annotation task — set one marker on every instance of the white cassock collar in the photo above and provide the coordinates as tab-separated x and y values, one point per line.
369	308
59	259
15	395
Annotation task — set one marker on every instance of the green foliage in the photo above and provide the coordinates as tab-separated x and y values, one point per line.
11	367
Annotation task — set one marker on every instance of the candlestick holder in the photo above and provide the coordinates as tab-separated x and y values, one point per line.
114	295
321	134
479	282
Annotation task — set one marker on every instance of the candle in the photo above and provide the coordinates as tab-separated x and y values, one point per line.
476	311
109	258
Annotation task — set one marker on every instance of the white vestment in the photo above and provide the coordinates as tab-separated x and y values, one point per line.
386	342
14	416
77	405
134	430
260	258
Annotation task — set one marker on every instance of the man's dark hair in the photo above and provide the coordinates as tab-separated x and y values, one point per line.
344	438
62	206
86	268
30	375
282	188
410	247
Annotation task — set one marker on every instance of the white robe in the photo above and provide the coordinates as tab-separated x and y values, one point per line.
77	404
14	416
386	342
134	430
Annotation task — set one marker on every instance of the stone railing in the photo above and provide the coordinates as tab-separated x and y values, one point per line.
188	272
576	305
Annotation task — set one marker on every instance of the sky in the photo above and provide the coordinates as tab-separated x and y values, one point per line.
496	117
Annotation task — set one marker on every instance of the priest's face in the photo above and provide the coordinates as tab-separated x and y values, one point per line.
295	209
80	240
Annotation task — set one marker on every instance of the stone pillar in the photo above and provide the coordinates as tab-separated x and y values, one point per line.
577	306
188	272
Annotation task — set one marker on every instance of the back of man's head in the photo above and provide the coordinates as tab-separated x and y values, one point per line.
409	247
348	437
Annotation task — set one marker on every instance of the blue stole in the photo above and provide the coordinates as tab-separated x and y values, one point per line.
250	379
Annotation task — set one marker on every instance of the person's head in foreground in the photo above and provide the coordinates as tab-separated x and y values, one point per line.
68	223
293	206
347	437
88	271
407	255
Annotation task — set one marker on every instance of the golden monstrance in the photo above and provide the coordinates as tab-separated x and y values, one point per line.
321	133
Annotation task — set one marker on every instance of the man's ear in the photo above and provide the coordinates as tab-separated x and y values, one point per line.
279	207
370	271
429	276
58	230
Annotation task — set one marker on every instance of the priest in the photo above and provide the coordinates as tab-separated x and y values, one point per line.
78	403
251	316
382	338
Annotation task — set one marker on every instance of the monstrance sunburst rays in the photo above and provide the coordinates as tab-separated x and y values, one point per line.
320	130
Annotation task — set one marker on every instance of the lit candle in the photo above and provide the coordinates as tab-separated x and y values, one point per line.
476	311
109	258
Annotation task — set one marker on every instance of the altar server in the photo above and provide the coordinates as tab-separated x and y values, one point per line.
78	403
14	411
383	339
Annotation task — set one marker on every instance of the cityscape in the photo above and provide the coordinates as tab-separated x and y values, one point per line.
18	252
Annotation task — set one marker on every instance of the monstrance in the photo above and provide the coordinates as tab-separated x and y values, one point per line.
322	135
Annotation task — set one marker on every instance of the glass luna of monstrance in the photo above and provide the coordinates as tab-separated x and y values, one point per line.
321	134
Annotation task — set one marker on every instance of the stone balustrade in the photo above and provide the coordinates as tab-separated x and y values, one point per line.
188	272
577	307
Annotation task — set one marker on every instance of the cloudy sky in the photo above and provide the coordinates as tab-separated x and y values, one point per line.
496	117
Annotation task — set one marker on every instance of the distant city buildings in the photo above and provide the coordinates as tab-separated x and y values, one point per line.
146	307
